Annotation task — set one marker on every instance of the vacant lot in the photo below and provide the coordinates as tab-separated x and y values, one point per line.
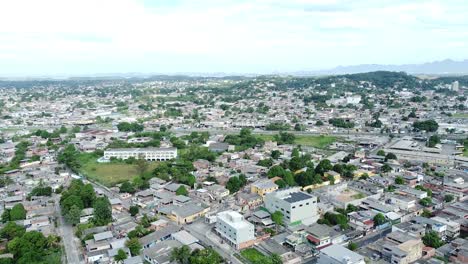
254	256
307	140
109	174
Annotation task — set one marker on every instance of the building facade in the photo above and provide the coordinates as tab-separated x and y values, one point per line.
232	226
295	205
150	154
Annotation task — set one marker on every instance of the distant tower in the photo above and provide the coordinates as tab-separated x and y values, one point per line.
455	86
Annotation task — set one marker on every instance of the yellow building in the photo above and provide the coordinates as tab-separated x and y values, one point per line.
184	214
262	187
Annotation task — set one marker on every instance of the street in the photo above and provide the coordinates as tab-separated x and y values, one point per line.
202	231
68	237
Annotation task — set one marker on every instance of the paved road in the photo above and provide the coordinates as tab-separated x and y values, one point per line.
202	232
72	248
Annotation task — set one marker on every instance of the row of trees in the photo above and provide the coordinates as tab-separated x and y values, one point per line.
339	122
427	125
245	139
130	127
79	196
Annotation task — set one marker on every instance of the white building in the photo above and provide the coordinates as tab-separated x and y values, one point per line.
455	86
337	254
232	226
296	206
150	154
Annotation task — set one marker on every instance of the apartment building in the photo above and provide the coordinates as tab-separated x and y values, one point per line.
232	226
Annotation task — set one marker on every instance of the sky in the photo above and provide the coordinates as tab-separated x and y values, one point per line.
85	37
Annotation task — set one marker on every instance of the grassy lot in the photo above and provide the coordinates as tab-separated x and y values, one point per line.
109	174
255	256
460	115
306	140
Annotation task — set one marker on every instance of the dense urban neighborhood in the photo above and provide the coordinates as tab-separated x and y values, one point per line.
357	168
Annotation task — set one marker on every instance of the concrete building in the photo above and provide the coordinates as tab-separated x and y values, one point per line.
150	154
455	86
337	254
232	226
262	187
296	206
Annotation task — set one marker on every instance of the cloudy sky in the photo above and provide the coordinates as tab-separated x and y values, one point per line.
79	37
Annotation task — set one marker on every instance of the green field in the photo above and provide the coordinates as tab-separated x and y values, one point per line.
254	256
306	140
109	174
460	115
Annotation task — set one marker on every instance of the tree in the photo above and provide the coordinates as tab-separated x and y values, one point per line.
31	247
426	213
432	239
73	215
87	195
181	255
433	141
352	246
399	180
130	127
284	138
425	201
134	210
134	246
379	219
69	157
281	183
275	154
102	211
289	178
121	255
381	152
205	256
141	165
275	171
127	187
233	184
6	216
17	212
448	198
12	230
71	201
386	168
182	191
323	166
427	125
390	156
277	217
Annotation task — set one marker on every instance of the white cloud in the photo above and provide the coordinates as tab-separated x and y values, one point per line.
71	36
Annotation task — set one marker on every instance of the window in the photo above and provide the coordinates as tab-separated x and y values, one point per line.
293	207
307	203
300	205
